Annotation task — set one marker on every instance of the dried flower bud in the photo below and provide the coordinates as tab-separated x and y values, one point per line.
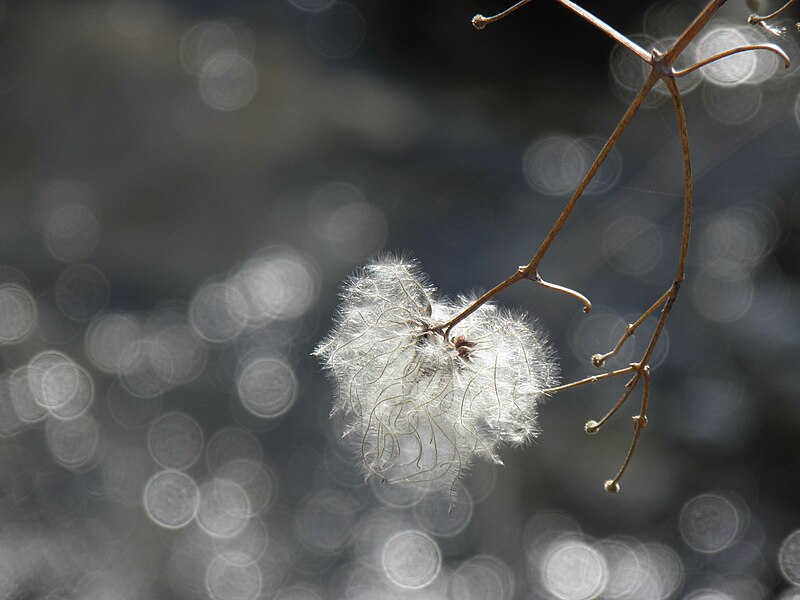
479	21
591	427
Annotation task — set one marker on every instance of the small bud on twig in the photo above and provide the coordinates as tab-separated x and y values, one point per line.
479	22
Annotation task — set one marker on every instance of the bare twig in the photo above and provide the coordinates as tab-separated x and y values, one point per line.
598	360
479	22
634	106
445	328
661	69
643	370
755	19
639	423
707	61
591	379
587	305
529	271
692	31
593	426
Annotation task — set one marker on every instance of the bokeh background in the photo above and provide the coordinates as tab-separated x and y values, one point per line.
183	186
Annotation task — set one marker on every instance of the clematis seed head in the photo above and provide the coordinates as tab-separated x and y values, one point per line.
419	408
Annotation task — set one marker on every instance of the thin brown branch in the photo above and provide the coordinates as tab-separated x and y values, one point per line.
634	106
592	379
587	305
479	22
683	135
680	273
598	360
643	371
532	267
657	72
706	61
608	30
639	423
755	19
691	32
661	69
447	327
594	426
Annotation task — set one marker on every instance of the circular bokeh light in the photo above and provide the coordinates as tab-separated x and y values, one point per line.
411	559
171	499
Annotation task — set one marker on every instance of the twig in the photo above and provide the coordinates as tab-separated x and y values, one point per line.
529	271
591	379
587	305
479	22
692	31
661	69
639	423
755	19
593	426
598	360
707	61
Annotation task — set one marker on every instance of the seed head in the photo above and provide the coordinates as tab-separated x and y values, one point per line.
421	408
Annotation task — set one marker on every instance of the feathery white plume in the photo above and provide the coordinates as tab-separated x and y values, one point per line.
420	408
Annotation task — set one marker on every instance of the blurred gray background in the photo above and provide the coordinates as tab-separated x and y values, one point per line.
184	185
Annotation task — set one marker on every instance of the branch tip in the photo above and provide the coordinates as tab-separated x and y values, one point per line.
707	61
587	305
479	22
591	427
756	19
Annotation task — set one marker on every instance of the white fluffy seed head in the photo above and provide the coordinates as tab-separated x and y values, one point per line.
418	407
